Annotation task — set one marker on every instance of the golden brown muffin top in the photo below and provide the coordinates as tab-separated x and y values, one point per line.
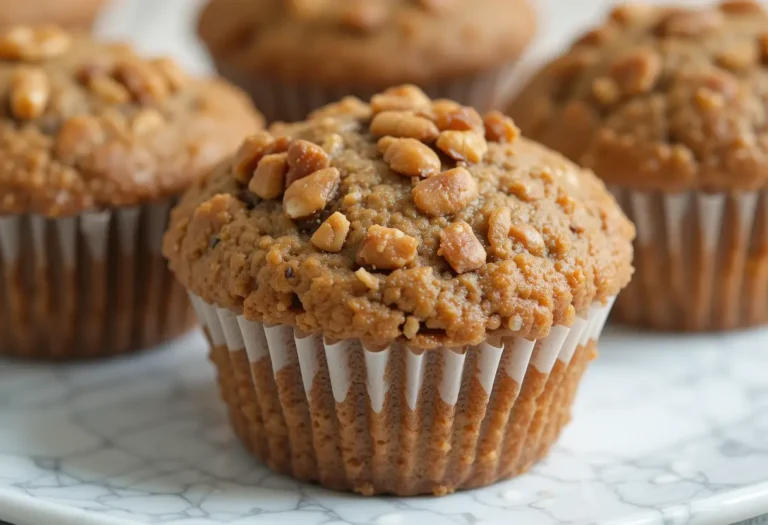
660	98
366	42
72	14
403	219
87	124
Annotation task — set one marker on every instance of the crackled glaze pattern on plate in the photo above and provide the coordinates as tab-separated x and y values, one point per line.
666	430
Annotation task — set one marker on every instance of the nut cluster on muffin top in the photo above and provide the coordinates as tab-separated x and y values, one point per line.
661	98
374	42
86	124
403	219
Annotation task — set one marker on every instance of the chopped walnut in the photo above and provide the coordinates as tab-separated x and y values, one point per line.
146	85
304	158
409	157
30	91
636	72
146	121
500	128
34	44
173	73
250	153
400	98
460	247
108	89
598	36
367	278
365	16
738	56
467	146
268	181
347	106
450	115
499	225
446	193
386	248
529	237
627	14
77	137
311	194
403	124
689	23
606	91
330	236
741	7
411	327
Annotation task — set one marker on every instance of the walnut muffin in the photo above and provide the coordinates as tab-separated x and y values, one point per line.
71	14
293	56
400	296
95	145
667	105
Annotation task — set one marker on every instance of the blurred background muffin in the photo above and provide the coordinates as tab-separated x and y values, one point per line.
295	55
668	106
96	142
70	14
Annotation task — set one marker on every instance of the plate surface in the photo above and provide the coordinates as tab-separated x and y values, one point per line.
666	430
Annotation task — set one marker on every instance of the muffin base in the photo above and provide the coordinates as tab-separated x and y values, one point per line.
396	421
701	260
88	286
280	101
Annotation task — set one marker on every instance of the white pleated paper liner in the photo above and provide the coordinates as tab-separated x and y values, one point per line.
396	421
281	101
701	260
87	286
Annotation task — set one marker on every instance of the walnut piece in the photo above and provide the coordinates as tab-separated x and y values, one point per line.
689	23
450	115
77	137
386	248
365	16
146	85
741	7
529	237
367	278
108	89
146	121
411	327
403	124
467	146
400	98
250	153
446	193
499	224
500	128
304	158
174	75
330	236
605	91
409	157
460	247
268	181
34	44
636	72
30	92
309	195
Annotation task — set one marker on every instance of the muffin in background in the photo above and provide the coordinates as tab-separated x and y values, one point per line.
70	14
668	107
293	56
95	145
401	297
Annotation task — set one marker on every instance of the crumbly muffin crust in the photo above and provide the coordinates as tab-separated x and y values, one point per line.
404	219
658	98
368	42
87	125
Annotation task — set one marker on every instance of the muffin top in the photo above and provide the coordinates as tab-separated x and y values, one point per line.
403	219
657	98
365	42
70	13
87	124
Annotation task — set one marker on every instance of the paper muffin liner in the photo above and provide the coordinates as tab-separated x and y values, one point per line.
293	102
396	421
701	260
87	286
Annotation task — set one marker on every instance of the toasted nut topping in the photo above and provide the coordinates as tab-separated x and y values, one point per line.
450	115
146	121
636	72
330	236
146	85
268	181
500	128
333	144
461	248
400	98
739	7
403	124
41	43
409	157
108	89
446	193
310	194
250	153
738	56
529	237
626	14
463	145
606	91
30	91
686	23
598	36
499	224
367	278
174	75
365	16
386	248
411	327
304	158
349	106
77	137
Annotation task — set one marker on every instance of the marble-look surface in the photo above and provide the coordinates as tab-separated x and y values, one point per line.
666	430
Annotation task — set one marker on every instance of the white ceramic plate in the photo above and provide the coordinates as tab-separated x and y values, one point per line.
666	430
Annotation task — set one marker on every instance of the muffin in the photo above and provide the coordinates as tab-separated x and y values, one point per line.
95	145
71	14
399	303
667	106
297	55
